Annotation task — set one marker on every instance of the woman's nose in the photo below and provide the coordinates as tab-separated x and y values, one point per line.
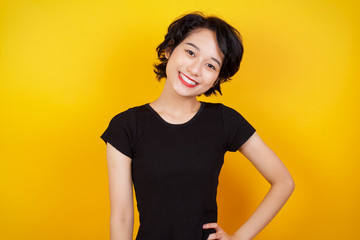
194	67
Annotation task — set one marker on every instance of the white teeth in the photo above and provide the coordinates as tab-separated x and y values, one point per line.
187	79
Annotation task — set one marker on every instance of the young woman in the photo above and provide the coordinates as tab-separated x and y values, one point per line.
172	149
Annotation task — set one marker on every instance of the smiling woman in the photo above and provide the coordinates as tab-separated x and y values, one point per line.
226	42
173	148
194	62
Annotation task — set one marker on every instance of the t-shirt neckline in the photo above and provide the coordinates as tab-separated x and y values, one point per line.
180	124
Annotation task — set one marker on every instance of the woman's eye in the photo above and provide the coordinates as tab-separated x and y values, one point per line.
211	66
190	52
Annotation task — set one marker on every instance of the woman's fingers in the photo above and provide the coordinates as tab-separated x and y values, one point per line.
219	231
212	225
214	236
220	234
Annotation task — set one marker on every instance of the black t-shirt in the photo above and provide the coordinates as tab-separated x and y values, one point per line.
175	167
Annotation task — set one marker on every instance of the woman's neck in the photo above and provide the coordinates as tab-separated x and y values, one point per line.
174	104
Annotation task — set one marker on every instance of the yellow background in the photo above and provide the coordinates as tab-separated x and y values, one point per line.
67	67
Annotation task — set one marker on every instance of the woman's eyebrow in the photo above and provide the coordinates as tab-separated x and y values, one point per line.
197	48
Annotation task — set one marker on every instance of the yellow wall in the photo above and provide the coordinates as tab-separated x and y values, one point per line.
67	67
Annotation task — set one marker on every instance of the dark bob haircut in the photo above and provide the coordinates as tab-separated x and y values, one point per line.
228	39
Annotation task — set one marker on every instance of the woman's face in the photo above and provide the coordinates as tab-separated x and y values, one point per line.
194	65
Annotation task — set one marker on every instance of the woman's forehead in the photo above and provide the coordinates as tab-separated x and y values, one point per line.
204	40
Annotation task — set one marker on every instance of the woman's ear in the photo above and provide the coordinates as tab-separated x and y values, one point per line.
167	52
169	49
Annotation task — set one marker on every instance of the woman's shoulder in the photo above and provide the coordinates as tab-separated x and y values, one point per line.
127	111
218	105
212	104
227	111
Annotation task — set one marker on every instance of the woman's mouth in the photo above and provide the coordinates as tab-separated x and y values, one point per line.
187	81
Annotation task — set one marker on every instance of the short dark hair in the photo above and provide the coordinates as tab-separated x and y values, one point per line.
228	39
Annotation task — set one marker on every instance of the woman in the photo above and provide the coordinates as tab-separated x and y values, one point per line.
173	148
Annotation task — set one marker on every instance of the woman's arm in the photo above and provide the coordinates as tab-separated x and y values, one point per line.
282	186
121	194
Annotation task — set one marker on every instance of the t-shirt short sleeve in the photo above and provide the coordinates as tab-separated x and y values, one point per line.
120	132
237	129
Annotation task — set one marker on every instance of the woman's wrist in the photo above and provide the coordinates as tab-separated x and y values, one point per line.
240	236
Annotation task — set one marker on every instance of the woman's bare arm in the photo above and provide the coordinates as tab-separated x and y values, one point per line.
282	186
121	194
